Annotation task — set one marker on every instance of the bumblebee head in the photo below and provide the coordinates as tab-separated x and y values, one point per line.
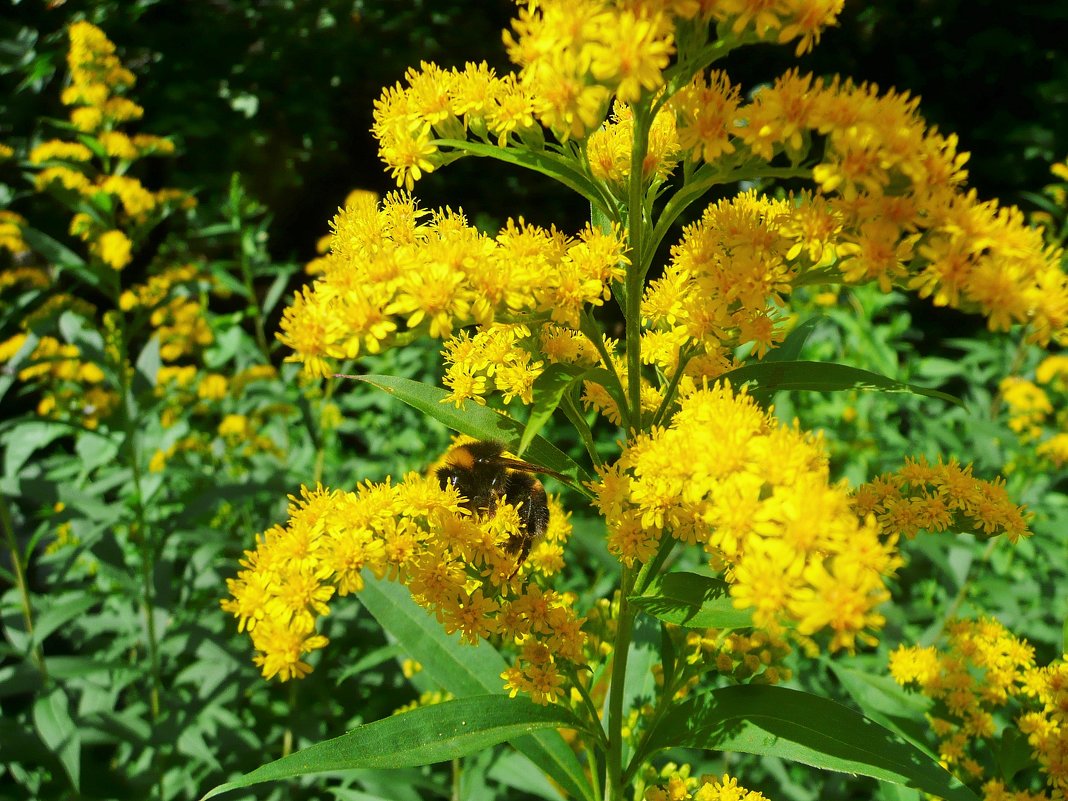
475	471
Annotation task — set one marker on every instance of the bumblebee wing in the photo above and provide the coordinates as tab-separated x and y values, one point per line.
527	467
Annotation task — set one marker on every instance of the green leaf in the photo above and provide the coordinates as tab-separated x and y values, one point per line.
823	377
276	289
465	671
554	166
791	347
27	437
221	275
11	369
54	251
147	367
64	609
798	726
79	331
693	601
1012	752
549	389
477	421
51	718
885	701
423	736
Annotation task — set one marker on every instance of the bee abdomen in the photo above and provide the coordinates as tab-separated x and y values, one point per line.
527	492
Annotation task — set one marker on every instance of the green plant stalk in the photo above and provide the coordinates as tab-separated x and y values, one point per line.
250	287
661	708
589	327
20	580
685	354
287	736
574	414
124	371
594	745
144	537
636	224
317	436
621	648
962	593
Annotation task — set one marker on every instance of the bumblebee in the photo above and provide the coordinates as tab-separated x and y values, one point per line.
484	477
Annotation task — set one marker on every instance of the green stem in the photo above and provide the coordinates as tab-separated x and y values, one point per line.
636	224
141	532
685	354
651	568
287	736
574	414
955	604
245	262
621	650
23	588
664	706
592	332
591	707
317	436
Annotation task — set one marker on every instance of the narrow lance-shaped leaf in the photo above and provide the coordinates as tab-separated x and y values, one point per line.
51	718
477	421
790	349
823	377
466	670
885	701
423	736
799	726
549	389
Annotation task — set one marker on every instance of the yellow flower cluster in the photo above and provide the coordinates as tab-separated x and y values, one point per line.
757	496
674	783
898	194
1038	410
71	389
455	564
159	287
724	276
936	497
983	677
755	657
394	265
779	21
494	359
185	392
573	58
182	328
11	225
609	148
888	205
97	81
